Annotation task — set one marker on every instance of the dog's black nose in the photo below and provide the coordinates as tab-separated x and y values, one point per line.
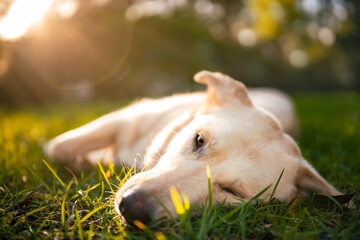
134	206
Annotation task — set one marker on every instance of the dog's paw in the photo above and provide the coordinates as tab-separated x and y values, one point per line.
46	149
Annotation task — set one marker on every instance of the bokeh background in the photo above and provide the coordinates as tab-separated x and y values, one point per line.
74	50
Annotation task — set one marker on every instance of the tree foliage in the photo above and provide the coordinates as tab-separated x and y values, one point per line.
123	49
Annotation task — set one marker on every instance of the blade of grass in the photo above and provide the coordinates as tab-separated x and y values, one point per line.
202	230
36	210
123	180
104	175
7	190
256	197
207	208
26	193
42	224
54	173
90	189
73	174
92	213
64	203
87	190
243	229
122	171
276	185
17	197
164	207
208	174
43	183
78	225
228	215
102	190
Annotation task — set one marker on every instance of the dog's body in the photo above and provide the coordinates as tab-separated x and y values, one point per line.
235	132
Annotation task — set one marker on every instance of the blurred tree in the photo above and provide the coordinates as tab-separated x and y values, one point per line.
120	49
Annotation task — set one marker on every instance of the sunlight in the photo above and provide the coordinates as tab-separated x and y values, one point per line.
298	58
66	9
21	16
152	8
247	37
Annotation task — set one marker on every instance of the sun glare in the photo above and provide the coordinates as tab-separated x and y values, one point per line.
21	16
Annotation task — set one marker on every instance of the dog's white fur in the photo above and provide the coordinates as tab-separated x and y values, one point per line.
245	144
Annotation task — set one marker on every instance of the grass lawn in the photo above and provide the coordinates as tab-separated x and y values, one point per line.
43	200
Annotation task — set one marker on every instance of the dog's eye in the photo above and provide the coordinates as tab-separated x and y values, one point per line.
229	190
234	193
199	141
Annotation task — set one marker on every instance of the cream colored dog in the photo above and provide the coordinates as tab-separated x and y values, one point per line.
241	135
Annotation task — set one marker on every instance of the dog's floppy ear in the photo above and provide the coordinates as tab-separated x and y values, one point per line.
223	89
309	181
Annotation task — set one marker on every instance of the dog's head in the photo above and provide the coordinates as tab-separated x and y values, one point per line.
244	147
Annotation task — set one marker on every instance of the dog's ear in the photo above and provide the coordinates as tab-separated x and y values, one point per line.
308	181
222	89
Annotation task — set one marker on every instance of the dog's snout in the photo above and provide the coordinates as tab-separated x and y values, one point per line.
134	205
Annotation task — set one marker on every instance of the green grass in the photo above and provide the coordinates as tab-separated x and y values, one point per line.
43	200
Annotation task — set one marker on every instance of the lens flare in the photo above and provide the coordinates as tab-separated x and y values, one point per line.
21	16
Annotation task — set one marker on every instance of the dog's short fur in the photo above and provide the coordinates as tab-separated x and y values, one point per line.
240	134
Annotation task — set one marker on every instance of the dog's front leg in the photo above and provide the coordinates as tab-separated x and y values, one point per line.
71	147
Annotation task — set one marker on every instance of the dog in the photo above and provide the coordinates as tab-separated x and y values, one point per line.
242	135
